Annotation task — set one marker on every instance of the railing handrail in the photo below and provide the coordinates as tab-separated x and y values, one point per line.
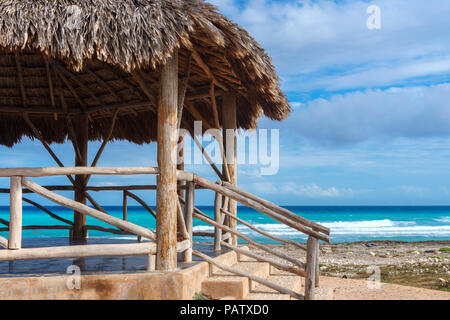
63	171
310	228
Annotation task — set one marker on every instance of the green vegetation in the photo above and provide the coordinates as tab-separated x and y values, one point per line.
444	249
200	296
403	275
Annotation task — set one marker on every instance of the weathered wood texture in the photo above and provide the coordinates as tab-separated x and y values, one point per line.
3	242
81	251
82	138
280	210
52	171
218	219
311	261
71	204
15	220
227	192
188	216
229	123
252	227
259	258
250	241
167	198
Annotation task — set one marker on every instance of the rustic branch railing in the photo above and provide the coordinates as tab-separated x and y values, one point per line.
223	223
225	192
14	226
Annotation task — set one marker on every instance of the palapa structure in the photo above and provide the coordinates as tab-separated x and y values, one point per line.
135	70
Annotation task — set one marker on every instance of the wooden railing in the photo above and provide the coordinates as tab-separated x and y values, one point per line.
223	193
225	231
18	180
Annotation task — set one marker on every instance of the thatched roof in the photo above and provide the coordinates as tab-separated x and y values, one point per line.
62	58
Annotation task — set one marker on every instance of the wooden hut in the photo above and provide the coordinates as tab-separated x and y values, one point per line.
79	71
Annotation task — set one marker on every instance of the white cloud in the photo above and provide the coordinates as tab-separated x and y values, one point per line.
326	45
354	117
314	191
293	189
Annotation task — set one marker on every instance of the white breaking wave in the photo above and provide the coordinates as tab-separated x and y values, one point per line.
443	219
383	228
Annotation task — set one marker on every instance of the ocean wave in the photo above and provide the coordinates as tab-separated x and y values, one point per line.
376	228
442	219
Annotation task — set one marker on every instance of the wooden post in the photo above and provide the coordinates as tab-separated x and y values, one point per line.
229	122
317	276
188	217
311	261
218	219
125	205
82	138
166	194
15	222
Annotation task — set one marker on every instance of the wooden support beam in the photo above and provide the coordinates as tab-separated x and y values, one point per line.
166	194
51	214
62	171
84	209
208	158
268	235
144	89
219	139
218	219
229	123
188	217
104	84
197	115
103	145
81	251
181	223
141	202
15	220
125	205
182	89
251	242
50	85
20	78
3	242
311	260
198	59
82	138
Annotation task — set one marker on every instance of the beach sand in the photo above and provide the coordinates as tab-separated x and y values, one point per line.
416	264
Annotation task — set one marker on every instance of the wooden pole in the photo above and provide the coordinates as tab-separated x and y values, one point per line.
311	261
84	209
125	205
188	217
218	219
166	194
229	123
15	221
82	138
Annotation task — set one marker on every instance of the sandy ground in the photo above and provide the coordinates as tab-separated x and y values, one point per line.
405	270
352	289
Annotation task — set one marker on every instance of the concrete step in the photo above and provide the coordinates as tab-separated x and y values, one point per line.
224	284
262	292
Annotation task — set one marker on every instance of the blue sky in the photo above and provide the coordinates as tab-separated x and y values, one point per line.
371	119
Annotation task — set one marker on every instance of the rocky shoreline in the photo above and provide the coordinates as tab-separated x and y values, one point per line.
420	264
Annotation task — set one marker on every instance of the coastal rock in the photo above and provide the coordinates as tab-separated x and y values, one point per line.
326	250
372	253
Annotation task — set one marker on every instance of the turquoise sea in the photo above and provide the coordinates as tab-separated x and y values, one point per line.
347	223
